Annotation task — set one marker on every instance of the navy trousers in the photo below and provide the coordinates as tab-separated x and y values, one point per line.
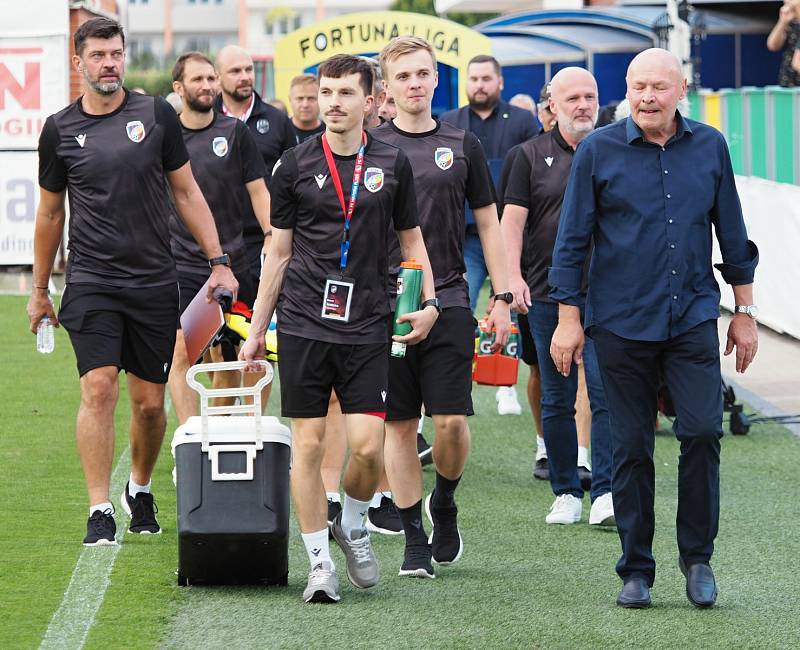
632	372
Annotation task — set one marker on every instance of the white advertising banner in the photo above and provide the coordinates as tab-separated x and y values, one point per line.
33	85
19	196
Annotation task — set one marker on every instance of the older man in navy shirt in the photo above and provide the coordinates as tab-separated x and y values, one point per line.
647	191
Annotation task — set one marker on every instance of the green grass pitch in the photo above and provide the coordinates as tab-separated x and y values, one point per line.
520	584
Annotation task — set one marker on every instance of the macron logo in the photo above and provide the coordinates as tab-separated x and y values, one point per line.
383	395
320	178
316	551
81	139
549	161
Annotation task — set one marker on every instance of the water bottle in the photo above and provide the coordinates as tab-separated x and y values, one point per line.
45	337
409	288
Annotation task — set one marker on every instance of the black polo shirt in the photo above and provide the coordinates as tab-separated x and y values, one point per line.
224	159
304	199
449	166
113	167
301	135
537	182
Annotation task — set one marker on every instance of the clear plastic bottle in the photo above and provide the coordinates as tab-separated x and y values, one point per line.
45	337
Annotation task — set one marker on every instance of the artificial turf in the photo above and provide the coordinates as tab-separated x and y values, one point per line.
520	583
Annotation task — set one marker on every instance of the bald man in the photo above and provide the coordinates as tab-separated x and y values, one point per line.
533	197
647	191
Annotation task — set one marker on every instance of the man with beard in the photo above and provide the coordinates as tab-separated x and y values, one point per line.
534	196
303	91
115	152
499	126
273	133
230	173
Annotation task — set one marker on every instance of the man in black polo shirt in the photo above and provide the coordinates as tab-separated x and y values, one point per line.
333	199
230	173
534	196
115	152
303	91
449	168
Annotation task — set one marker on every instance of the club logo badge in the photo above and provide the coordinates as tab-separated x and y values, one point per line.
220	146
262	125
444	157
373	179
135	131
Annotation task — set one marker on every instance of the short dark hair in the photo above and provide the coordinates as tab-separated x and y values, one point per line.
486	58
96	28
341	65
180	65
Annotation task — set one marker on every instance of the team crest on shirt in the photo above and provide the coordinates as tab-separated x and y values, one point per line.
220	146
373	179
135	131
443	157
262	125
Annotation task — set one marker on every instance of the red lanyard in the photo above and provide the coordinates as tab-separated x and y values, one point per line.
337	184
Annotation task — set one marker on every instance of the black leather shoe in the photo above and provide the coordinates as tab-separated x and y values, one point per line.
635	594
701	587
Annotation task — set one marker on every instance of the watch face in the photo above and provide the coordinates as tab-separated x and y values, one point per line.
752	311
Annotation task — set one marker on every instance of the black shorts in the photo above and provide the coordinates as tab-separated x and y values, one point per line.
190	283
436	372
132	329
309	369
527	350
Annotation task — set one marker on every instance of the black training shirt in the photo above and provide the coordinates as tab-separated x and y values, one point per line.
304	198
537	182
224	158
301	135
449	165
113	168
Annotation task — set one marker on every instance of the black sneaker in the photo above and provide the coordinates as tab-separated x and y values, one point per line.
417	562
101	529
334	508
585	477
541	469
447	546
384	519
142	511
424	450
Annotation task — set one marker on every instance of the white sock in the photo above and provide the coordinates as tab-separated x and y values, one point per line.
583	457
353	512
102	507
134	488
333	497
541	450
317	547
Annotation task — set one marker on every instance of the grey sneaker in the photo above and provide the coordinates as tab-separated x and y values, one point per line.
362	566
323	584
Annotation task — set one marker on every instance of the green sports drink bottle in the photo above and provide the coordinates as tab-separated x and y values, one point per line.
409	289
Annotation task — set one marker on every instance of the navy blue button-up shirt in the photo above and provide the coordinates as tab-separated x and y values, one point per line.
649	210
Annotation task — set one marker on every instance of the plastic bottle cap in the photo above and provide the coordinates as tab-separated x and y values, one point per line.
411	264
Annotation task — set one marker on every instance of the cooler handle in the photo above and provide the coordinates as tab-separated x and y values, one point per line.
213	455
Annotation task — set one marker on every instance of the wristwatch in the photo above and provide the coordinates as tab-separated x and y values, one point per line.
505	297
750	310
222	259
432	302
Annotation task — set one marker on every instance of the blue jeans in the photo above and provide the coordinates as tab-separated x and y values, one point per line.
558	410
476	267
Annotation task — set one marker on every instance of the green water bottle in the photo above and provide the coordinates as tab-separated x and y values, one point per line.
409	289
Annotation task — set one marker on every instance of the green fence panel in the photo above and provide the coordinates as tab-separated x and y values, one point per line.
756	124
695	106
733	127
785	133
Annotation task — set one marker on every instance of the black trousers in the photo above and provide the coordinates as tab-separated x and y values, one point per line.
632	372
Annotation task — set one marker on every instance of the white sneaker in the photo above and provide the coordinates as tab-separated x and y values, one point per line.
507	402
323	585
602	512
566	509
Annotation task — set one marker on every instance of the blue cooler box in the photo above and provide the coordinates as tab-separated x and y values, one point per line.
232	483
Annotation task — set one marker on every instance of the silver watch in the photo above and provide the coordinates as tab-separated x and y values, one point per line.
750	310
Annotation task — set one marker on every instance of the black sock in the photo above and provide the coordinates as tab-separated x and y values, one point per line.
412	524
444	492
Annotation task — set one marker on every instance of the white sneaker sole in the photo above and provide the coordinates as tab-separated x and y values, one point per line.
416	573
608	520
430	537
382	531
509	410
102	542
124	503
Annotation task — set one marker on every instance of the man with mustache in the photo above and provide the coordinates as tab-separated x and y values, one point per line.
646	191
534	195
230	173
114	152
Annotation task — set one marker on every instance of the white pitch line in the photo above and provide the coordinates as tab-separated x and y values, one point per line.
87	587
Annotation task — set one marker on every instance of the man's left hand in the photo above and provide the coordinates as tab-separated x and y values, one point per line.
499	320
743	335
421	322
222	276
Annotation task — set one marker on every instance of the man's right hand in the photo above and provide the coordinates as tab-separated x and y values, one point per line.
522	294
222	276
39	306
253	349
567	344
